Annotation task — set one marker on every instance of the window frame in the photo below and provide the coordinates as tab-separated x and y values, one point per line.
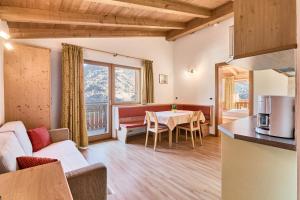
138	89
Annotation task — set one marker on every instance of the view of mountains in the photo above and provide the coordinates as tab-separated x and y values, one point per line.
96	80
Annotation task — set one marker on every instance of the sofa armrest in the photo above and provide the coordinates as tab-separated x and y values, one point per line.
88	183
58	135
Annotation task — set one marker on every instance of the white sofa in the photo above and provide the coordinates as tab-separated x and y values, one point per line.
14	142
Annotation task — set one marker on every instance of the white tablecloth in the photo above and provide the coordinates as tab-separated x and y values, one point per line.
173	118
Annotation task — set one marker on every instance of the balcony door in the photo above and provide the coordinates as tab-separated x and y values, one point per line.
106	85
97	83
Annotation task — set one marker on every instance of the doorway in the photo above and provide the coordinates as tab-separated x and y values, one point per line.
234	93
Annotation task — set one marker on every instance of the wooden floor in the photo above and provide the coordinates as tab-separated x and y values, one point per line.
136	173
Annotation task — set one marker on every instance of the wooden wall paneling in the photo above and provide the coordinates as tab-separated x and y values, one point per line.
27	85
263	26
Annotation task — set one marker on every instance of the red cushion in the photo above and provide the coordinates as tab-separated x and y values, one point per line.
39	138
29	161
133	124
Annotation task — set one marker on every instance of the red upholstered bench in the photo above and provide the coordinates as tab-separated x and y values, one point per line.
129	119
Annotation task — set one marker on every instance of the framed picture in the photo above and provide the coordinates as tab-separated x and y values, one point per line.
163	79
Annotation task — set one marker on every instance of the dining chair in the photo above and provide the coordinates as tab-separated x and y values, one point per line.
192	126
154	127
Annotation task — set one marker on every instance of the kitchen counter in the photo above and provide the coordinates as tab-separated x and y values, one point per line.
256	166
244	129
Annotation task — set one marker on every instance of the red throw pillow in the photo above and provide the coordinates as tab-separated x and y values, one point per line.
29	161
39	138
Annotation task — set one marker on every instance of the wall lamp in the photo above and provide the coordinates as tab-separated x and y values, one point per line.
192	71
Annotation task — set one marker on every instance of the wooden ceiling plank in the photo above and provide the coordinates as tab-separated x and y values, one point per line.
165	6
61	33
16	14
219	14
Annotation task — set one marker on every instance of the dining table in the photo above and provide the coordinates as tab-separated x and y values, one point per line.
173	118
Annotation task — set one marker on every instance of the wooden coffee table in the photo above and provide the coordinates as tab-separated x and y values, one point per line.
37	183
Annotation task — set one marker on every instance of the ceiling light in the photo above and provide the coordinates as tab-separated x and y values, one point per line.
4	31
4	35
8	46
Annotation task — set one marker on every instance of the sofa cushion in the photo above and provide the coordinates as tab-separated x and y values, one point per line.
66	152
30	161
20	131
39	138
10	149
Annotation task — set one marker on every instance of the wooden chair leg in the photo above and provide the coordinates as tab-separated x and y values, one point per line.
170	138
186	135
176	135
147	135
155	140
200	135
192	138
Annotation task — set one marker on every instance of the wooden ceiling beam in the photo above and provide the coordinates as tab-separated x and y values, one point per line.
16	14
18	33
219	14
165	6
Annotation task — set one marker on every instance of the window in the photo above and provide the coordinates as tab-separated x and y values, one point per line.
96	83
127	85
241	89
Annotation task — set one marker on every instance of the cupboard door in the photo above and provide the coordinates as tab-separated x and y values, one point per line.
27	85
263	26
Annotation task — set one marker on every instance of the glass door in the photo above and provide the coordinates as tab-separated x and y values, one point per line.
97	83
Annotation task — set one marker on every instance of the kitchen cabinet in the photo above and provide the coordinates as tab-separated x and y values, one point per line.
264	26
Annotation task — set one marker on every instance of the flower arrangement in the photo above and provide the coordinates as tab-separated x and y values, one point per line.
174	107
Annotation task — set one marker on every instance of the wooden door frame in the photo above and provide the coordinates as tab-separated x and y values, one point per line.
218	66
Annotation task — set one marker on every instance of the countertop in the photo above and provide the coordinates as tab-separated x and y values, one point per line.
244	129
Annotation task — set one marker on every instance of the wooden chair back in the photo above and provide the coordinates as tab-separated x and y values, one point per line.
151	115
195	119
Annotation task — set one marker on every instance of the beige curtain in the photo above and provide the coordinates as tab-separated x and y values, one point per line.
73	106
229	93
148	83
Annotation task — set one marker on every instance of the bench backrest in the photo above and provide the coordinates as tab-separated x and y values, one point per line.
133	111
207	110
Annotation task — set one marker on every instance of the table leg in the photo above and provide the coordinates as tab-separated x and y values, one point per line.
170	138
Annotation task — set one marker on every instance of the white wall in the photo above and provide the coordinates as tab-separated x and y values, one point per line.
1	87
201	51
156	49
269	82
